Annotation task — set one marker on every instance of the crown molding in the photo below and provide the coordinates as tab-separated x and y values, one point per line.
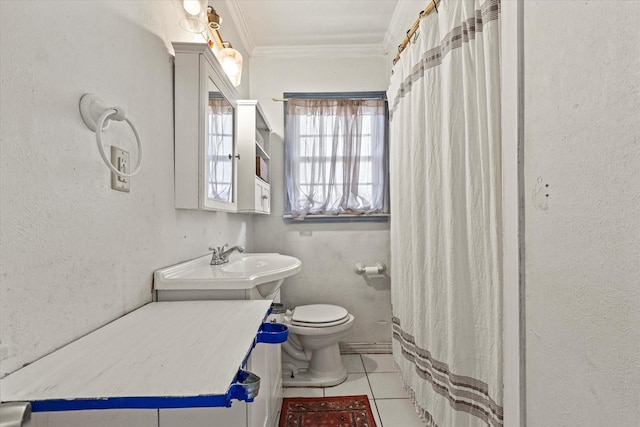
396	30
240	25
324	51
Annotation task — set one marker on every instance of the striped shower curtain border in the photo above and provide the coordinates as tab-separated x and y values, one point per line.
463	393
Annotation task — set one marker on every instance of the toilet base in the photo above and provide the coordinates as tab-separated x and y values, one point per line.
308	379
324	369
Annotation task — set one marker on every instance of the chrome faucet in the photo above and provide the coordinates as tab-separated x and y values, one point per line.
220	255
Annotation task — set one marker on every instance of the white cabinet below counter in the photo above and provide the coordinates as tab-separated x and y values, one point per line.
236	416
265	361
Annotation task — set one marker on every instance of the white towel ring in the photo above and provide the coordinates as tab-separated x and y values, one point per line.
97	118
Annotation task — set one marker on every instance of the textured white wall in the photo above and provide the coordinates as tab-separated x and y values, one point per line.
582	139
75	254
327	251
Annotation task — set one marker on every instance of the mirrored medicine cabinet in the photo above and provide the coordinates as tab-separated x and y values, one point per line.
205	105
221	143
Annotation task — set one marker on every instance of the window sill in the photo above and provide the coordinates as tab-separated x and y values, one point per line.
288	219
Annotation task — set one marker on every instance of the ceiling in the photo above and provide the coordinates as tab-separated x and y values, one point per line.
268	26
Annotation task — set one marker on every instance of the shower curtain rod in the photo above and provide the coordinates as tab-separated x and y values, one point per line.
427	10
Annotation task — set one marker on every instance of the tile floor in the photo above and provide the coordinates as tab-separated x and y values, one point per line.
375	376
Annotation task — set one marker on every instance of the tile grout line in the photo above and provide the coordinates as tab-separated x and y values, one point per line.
372	395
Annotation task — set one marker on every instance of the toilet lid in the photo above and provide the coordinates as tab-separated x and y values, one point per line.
319	315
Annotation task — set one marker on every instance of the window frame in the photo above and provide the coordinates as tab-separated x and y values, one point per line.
324	218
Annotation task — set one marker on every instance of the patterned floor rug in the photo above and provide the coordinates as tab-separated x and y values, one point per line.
340	411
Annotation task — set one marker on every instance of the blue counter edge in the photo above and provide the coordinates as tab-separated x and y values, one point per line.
130	403
274	333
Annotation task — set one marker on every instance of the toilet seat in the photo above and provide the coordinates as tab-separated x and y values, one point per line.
319	315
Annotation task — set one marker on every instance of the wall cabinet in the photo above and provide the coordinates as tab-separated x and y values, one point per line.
205	131
253	144
221	143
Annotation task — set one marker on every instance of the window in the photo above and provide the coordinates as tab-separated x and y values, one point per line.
336	162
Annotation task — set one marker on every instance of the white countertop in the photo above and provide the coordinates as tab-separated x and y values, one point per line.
161	350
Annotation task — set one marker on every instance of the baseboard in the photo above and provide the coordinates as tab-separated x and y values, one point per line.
365	347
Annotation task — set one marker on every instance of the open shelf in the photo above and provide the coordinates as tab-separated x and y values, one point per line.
261	152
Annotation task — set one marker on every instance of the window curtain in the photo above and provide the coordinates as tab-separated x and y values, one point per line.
335	157
220	145
445	157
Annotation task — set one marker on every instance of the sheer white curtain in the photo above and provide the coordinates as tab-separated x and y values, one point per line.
335	160
220	145
444	101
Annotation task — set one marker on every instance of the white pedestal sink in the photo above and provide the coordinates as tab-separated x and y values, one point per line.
245	276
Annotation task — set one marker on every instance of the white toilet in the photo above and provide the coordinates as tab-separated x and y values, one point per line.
311	354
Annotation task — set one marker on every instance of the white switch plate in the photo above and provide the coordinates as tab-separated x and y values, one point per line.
120	159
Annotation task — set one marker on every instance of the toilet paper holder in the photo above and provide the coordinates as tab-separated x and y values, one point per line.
378	268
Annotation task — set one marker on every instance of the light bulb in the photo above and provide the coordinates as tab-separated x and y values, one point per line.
230	67
191	6
231	61
195	16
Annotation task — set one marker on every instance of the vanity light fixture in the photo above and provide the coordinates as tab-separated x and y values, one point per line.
231	61
213	18
195	16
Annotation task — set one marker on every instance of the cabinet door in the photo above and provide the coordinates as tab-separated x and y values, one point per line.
259	410
266	363
274	363
236	416
205	128
107	418
266	199
262	195
218	146
258	197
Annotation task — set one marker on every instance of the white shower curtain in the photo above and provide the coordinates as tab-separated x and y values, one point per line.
444	101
